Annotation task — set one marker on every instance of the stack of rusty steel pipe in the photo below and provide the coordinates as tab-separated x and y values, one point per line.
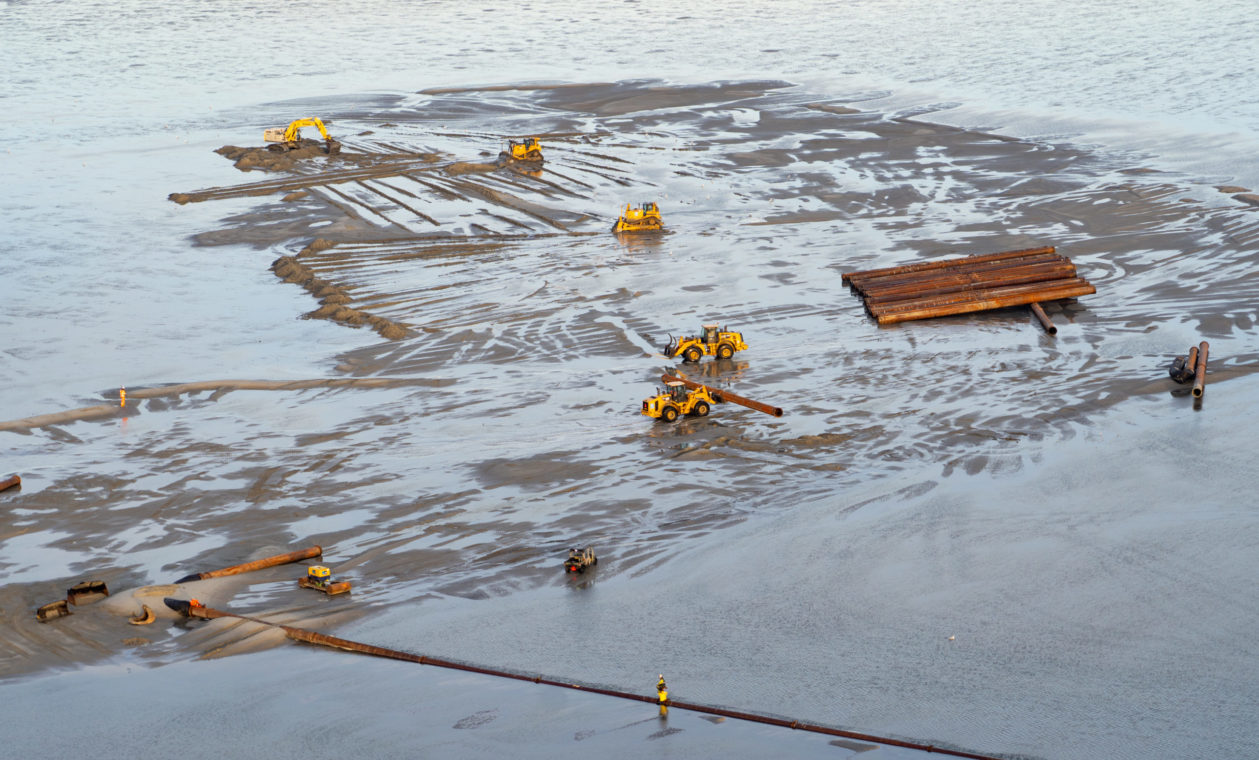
973	283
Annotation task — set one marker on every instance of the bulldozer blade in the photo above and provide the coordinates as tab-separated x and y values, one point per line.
87	592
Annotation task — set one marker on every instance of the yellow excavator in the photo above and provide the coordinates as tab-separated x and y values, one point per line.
644	218
527	149
676	401
290	137
716	341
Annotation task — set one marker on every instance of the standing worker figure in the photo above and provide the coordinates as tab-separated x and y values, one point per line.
662	696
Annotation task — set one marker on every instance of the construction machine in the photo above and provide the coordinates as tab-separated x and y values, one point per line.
319	578
712	341
580	559
527	149
290	137
645	218
675	400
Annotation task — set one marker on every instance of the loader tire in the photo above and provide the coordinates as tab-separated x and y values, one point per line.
669	414
725	351
691	354
701	409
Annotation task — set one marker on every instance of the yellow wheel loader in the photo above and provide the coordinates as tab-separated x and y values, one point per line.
712	341
527	149
290	137
676	401
645	218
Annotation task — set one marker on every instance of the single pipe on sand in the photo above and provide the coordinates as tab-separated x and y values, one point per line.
973	281
1043	318
1200	371
189	609
724	396
7	483
258	564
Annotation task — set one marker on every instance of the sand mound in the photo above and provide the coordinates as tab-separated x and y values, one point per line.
265	158
332	298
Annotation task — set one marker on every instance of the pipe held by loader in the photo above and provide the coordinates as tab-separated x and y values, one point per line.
725	396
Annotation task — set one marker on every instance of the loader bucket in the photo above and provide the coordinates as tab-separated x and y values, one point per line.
53	610
87	592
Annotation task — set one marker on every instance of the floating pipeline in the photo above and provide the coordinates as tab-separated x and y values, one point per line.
191	608
258	564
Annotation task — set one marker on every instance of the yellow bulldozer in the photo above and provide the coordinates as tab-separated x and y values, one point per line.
290	137
644	218
712	341
527	149
675	400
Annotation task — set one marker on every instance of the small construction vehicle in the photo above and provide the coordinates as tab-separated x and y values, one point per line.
580	559
645	218
712	341
527	149
675	400
290	137
319	578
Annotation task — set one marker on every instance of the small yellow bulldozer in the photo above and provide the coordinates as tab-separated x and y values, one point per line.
527	149
290	137
712	341
642	219
675	400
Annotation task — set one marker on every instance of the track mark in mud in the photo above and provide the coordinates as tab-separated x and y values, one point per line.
477	719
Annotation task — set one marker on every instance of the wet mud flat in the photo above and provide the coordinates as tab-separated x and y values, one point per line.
536	331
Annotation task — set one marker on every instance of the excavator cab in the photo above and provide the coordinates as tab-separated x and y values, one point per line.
290	137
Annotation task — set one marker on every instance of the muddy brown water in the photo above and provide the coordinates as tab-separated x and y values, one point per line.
505	425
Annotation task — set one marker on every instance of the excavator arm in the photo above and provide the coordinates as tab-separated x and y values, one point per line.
293	132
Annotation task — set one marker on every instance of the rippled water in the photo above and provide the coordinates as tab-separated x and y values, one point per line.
808	564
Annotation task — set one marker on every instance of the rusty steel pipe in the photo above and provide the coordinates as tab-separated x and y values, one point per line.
1200	371
10	482
928	265
1043	318
926	279
320	639
1001	302
975	295
965	283
871	284
259	564
725	396
945	276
